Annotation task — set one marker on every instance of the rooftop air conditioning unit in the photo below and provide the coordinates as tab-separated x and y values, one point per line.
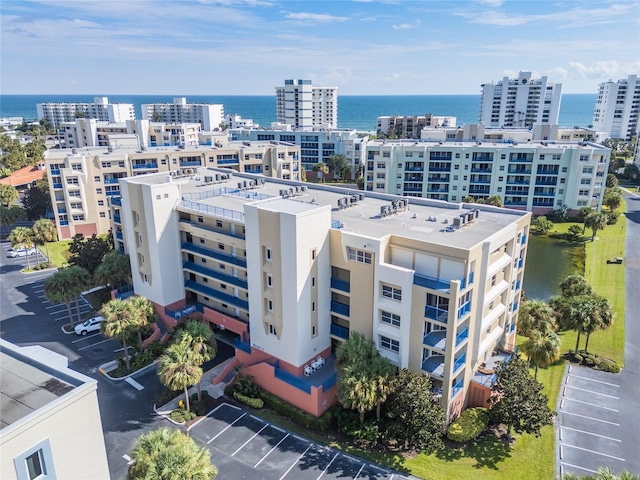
457	222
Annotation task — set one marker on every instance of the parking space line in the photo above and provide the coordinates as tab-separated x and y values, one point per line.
274	447
593	451
208	415
589	391
94	344
588	433
591	404
358	474
576	466
281	430
229	405
134	384
252	437
225	428
593	380
590	418
86	337
297	460
256	418
329	464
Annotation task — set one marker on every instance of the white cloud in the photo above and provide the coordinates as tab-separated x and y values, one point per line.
403	26
607	68
492	3
315	17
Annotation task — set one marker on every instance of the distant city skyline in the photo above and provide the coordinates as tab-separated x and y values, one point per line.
363	47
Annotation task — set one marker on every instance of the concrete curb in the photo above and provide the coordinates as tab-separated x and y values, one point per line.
105	368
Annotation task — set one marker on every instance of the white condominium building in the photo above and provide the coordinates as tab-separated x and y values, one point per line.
410	126
304	106
84	181
209	115
100	109
534	176
520	102
617	107
49	417
294	268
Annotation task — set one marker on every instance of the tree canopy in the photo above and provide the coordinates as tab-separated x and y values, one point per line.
88	253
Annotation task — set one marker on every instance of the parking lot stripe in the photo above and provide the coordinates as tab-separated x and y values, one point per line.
329	464
589	391
358	474
576	466
87	337
590	418
593	380
225	428
228	405
134	384
94	344
297	460
274	447
252	437
256	418
593	451
277	428
589	433
591	404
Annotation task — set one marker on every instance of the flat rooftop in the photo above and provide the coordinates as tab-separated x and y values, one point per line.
489	143
421	219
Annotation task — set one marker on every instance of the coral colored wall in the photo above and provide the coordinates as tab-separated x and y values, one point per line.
87	229
236	326
478	395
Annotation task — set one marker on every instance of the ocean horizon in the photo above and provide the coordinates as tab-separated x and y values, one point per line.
359	112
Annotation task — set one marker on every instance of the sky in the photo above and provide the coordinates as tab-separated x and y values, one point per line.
363	47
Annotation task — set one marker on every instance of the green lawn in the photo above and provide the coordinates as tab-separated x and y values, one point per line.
58	251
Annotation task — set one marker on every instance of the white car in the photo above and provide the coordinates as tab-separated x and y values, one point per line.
90	325
22	252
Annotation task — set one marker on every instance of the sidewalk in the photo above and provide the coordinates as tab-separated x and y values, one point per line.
215	391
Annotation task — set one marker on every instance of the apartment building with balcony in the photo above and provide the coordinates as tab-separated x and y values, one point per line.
293	269
209	115
305	106
100	109
83	182
50	423
534	176
410	126
316	146
617	107
520	102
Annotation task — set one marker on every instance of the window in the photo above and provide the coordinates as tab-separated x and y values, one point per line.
202	240
502	168
272	329
219	223
34	465
313	254
390	318
313	281
96	179
392	292
103	215
267	254
37	462
200	219
493	281
203	260
313	306
270	305
221	246
389	344
359	256
269	281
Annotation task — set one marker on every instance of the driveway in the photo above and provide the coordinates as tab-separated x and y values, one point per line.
598	420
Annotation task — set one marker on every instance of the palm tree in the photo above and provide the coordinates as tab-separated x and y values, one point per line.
115	270
177	369
80	280
602	315
383	373
118	323
357	349
322	169
58	289
44	231
142	314
168	454
542	348
583	213
358	390
596	221
535	315
198	338
574	286
22	237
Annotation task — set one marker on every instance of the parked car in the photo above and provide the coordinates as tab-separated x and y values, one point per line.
90	325
22	252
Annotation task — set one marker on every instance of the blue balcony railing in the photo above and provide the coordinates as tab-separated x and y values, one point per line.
292	380
340	308
124	292
57	185
183	312
436	339
190	163
113	193
517	285
547	171
436	313
211	229
253	170
119	234
462	336
523	240
228	161
434	365
222	277
55	171
515	306
470	278
520	262
340	284
430	282
339	331
464	309
216	294
244	346
457	387
110	181
329	382
207	252
62	210
460	361
151	165
413	169
439	169
116	218
116	201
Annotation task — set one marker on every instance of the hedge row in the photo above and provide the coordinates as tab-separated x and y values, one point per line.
594	361
252	402
295	414
468	425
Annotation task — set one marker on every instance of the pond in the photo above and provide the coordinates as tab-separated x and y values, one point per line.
549	261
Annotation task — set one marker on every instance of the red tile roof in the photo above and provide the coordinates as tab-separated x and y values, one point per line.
24	176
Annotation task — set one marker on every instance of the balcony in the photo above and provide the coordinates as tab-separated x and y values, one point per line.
339	331
112	193
412	189
523	240
435	339
436	190
457	387
544	194
436	313
439	169
212	210
479	190
340	308
464	309
432	282
459	363
520	262
116	218
228	161
222	277
190	163
111	181
547	171
480	170
519	171
217	295
57	185
63	223
62	210
441	158
55	171
116	201
137	166
253	170
412	169
210	229
434	365
124	292
340	284
207	252
119	235
244	346
521	159
462	336
186	310
518	182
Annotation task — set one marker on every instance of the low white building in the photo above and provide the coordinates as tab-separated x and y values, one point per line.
100	109
617	107
209	115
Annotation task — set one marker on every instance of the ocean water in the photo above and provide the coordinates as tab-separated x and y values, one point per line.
354	111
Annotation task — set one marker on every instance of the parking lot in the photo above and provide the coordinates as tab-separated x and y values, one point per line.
252	448
588	422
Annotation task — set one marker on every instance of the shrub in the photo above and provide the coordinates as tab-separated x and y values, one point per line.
166	396
608	366
347	420
181	415
295	414
245	386
251	401
368	431
578	358
589	362
612	217
199	406
468	425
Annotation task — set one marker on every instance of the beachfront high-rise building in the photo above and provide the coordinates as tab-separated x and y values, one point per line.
617	107
520	102
100	109
304	106
293	269
209	115
410	126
